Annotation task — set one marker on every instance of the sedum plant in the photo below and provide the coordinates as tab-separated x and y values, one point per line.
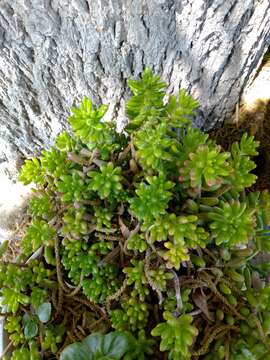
107	181
38	234
232	223
151	199
40	205
177	335
205	167
148	244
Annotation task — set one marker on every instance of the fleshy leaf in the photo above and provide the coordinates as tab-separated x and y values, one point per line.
98	347
44	312
30	327
177	335
76	351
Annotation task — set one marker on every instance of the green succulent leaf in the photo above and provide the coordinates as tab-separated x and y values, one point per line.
160	277
31	171
29	353
80	259
55	163
98	347
30	327
180	109
74	224
206	167
179	234
152	200
44	312
136	276
177	335
37	296
137	242
155	148
107	181
190	141
87	125
132	316
72	187
175	254
41	205
147	100
38	233
64	142
102	284
247	146
232	223
13	298
242	164
102	217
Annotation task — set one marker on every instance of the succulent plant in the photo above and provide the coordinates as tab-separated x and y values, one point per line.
180	109
160	277
132	316
26	353
155	148
232	223
126	227
64	142
31	172
102	217
147	99
107	182
177	335
102	284
136	276
74	224
241	162
16	283
54	163
86	124
71	187
14	329
152	198
205	167
52	337
137	242
40	205
38	234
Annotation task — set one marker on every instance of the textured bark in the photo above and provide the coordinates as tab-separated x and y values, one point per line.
54	52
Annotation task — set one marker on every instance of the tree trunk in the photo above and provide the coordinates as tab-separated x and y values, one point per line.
54	52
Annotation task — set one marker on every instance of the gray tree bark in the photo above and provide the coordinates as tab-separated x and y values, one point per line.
55	51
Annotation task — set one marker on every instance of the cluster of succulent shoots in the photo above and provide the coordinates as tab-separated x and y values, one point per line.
148	244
